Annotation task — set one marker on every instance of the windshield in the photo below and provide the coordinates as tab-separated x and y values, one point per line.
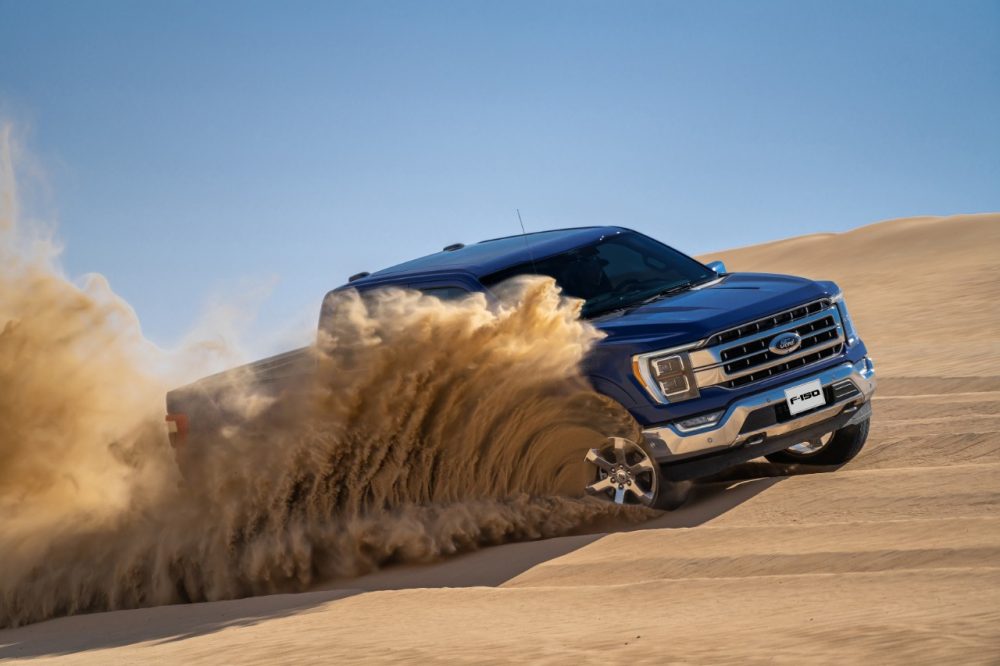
617	272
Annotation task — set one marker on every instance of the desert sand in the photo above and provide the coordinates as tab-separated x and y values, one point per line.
894	558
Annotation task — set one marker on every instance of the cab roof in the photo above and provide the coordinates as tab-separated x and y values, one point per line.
496	254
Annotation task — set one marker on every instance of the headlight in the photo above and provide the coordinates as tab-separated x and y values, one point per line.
850	332
666	376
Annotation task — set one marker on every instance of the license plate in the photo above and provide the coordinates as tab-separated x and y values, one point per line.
804	397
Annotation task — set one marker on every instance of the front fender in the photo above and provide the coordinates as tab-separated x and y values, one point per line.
606	387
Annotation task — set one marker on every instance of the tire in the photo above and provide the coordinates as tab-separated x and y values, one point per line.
626	473
842	446
672	495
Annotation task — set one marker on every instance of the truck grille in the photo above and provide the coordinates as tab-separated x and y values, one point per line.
742	355
743	380
767	323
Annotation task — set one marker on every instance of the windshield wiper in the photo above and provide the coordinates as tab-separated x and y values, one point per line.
628	307
671	291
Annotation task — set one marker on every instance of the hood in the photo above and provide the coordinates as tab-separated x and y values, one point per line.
693	315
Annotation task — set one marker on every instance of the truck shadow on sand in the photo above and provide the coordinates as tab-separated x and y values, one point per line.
490	567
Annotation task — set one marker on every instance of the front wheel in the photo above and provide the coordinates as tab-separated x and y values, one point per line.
835	448
625	473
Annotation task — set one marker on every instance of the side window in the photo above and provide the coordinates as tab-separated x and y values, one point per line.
445	293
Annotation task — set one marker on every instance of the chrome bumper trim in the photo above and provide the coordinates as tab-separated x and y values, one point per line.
669	443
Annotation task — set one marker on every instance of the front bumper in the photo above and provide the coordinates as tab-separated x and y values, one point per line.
736	429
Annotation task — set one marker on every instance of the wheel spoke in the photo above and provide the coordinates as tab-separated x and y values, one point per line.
619	495
595	458
644	465
601	486
620	450
644	496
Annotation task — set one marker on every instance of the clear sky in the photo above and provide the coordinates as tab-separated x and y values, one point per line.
196	149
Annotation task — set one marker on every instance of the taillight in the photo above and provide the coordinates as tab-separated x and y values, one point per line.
177	428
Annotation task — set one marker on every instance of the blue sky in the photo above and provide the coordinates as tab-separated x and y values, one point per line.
195	150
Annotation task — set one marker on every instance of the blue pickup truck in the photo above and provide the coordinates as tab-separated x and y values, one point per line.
717	368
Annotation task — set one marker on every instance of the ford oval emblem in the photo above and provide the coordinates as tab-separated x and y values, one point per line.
785	343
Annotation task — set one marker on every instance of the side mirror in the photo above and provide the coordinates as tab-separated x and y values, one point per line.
717	266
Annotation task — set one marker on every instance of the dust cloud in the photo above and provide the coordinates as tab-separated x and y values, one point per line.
425	428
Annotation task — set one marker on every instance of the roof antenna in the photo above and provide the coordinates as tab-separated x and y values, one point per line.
527	245
521	222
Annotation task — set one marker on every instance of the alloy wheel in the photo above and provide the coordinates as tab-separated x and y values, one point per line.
625	474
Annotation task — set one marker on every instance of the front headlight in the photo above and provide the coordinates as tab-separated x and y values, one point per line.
667	376
850	332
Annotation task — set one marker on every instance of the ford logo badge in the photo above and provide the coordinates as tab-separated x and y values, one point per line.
785	343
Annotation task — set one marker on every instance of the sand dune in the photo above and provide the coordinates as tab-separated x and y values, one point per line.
893	559
915	286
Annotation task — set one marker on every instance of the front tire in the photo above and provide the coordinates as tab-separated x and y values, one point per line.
626	473
837	448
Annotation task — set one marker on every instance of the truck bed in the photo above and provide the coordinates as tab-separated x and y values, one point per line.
201	411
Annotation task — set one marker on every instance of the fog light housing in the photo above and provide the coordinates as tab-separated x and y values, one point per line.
700	421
